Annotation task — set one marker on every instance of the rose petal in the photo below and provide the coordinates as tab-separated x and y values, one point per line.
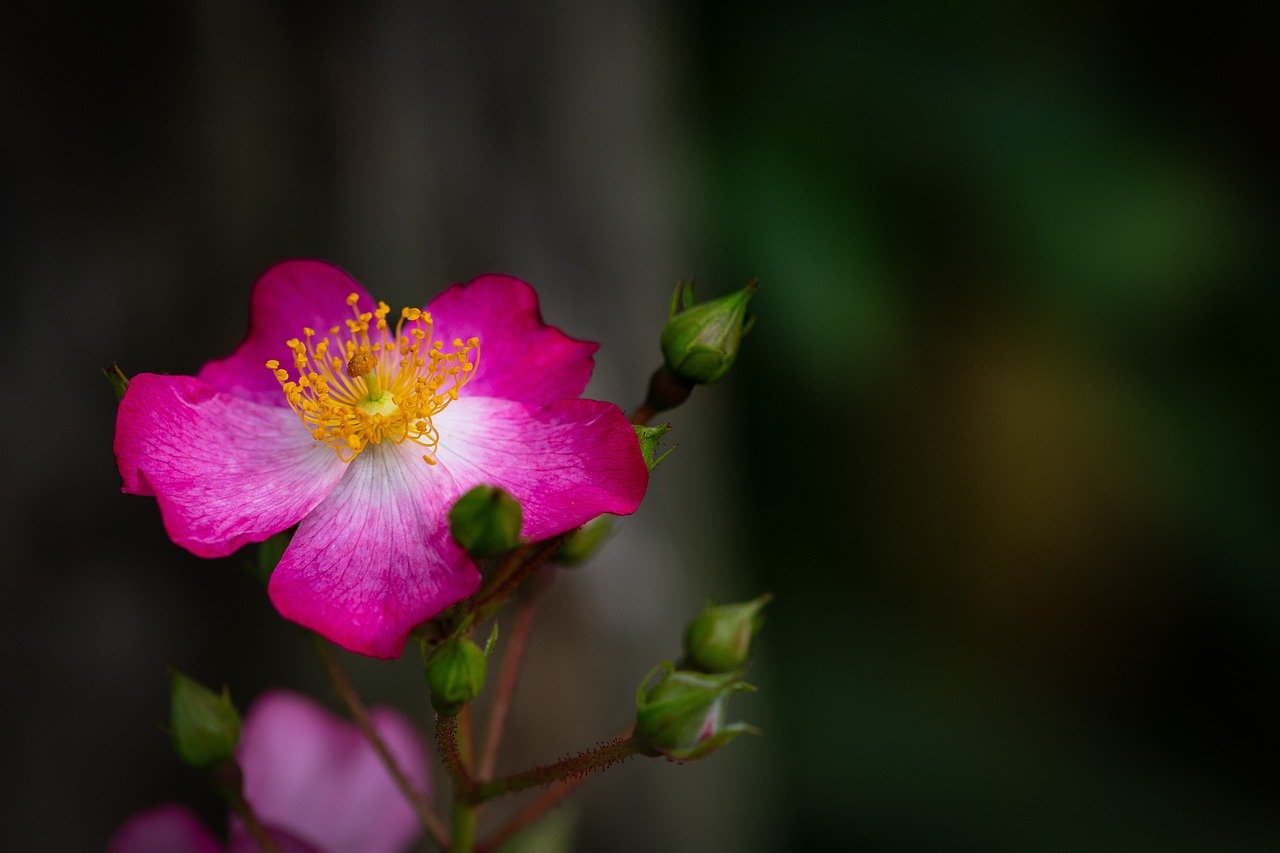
316	777
224	470
242	841
285	298
521	358
566	463
375	558
164	829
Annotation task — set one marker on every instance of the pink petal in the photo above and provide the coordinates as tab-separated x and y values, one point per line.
287	297
164	829
315	776
521	358
375	558
224	470
566	463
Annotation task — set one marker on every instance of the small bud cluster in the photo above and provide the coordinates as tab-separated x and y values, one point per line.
680	712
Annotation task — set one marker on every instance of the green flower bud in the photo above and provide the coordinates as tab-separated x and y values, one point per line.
700	342
650	436
719	638
205	725
117	380
486	521
682	715
581	545
455	673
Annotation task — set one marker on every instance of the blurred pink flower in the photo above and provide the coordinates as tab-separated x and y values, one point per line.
313	780
379	427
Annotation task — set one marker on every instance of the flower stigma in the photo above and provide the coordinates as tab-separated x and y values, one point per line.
370	384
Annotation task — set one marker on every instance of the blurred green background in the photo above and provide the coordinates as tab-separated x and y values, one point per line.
1000	442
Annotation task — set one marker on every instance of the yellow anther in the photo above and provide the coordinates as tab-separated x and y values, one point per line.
383	387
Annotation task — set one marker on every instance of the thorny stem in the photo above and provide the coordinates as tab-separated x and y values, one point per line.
360	716
544	803
465	814
451	755
642	415
507	676
666	391
602	756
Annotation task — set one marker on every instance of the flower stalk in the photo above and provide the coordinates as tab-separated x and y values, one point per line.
360	716
228	779
600	757
508	674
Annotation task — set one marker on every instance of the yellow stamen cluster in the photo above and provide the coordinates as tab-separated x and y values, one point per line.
370	384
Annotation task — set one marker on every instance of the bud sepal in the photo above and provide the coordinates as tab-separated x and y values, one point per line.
650	437
455	672
701	342
719	638
682	715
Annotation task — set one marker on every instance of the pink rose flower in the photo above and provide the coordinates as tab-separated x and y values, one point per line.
363	428
313	781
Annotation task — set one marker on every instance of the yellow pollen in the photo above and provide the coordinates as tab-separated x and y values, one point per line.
365	382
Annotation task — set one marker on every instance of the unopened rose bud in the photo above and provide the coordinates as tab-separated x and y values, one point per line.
205	725
682	715
486	521
700	342
581	545
455	673
719	638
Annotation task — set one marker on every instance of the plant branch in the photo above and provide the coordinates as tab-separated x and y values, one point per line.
521	625
602	756
360	716
530	813
643	414
451	755
536	809
531	558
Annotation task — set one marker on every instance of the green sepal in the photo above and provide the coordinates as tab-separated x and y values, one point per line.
701	342
117	380
650	437
719	638
681	716
455	672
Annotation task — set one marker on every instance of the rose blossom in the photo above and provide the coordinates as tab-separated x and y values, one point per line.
363	429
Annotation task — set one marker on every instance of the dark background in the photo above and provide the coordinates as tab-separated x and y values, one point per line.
1002	442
